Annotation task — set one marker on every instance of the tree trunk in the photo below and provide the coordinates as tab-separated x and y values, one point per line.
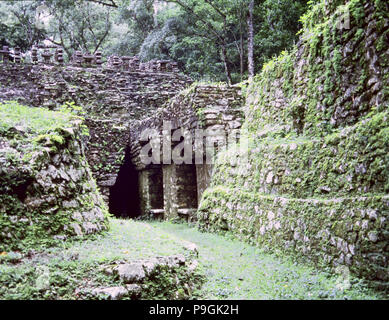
226	66
241	53
250	23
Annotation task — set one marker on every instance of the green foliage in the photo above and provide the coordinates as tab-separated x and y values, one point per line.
31	120
18	24
204	37
236	270
233	270
79	25
32	136
318	147
71	269
277	24
72	108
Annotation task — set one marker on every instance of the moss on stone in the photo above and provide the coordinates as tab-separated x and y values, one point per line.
316	179
47	190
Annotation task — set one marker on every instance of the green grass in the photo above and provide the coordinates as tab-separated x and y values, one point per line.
30	130
128	240
79	264
233	269
236	270
32	120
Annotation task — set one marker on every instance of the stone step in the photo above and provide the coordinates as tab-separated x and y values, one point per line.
157	212
187	212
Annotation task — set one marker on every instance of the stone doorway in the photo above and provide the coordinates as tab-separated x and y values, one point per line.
124	194
151	192
180	190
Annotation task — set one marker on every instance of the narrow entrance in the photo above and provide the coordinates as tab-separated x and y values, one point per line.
156	188
186	186
124	195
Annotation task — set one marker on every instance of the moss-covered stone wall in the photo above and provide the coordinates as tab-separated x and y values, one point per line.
47	191
210	107
315	180
112	99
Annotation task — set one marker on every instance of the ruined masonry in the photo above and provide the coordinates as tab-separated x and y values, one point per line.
315	179
121	98
46	187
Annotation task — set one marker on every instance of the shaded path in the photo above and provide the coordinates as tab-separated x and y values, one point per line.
236	270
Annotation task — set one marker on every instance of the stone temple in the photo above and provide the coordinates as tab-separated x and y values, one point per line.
122	98
315	178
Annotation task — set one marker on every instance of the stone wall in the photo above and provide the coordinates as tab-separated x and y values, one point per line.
151	191
180	190
315	181
213	108
112	98
47	191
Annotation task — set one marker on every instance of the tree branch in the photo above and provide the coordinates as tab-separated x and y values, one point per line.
216	8
190	10
110	3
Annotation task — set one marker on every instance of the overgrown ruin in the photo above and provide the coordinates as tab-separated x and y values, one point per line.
118	101
315	182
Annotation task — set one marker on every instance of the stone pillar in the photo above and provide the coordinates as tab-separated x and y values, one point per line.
5	53
170	192
46	55
151	190
153	66
135	64
162	65
144	196
115	62
59	56
204	174
88	59
180	190
99	60
34	55
17	55
77	58
126	63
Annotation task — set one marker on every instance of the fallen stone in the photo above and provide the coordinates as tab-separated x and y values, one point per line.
113	293
131	273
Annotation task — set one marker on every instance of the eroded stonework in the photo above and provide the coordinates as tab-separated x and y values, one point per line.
316	179
46	187
213	109
112	98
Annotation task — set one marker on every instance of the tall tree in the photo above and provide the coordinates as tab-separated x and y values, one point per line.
276	26
216	40
211	19
250	23
18	24
83	27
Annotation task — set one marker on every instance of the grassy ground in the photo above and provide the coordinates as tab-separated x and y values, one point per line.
33	120
236	270
60	272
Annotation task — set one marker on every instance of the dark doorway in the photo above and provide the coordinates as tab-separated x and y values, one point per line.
186	186
156	188
124	195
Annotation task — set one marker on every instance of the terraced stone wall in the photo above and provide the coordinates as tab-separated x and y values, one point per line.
213	108
111	98
315	181
47	192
